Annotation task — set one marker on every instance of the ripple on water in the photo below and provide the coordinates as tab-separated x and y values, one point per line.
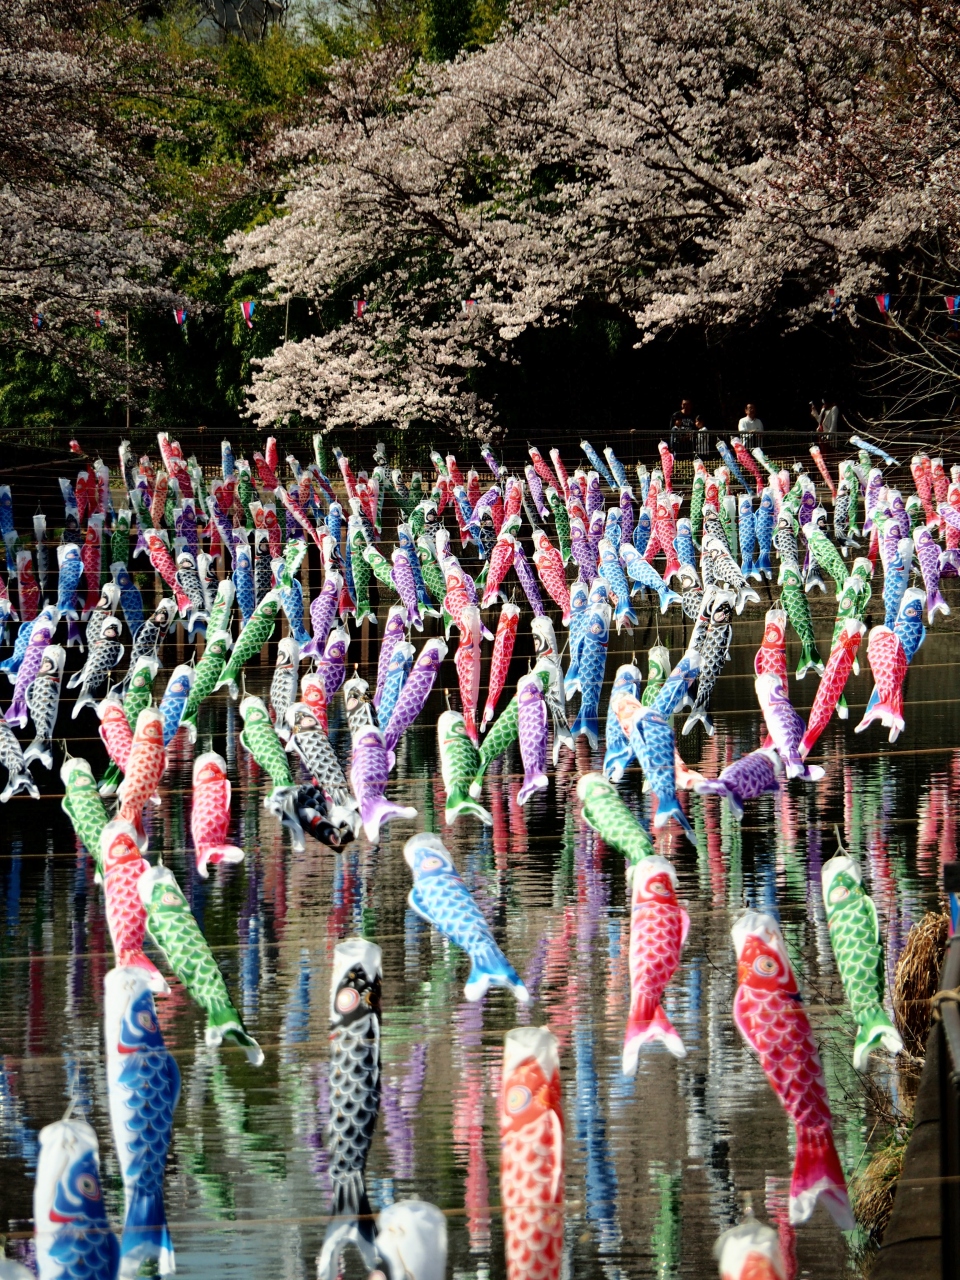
656	1166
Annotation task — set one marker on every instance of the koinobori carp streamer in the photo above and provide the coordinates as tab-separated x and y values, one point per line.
393	680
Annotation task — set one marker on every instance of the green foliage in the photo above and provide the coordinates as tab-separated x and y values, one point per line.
207	122
203	112
487	18
447	25
37	393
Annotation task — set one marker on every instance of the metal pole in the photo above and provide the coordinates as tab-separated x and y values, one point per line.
128	374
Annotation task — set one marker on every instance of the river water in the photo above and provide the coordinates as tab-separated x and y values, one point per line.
657	1166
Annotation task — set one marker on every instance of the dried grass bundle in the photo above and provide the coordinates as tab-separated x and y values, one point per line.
917	978
872	1192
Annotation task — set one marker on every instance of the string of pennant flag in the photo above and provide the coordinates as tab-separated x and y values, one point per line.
951	301
469	305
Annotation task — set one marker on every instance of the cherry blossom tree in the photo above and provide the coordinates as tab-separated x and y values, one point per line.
884	172
718	164
79	231
375	371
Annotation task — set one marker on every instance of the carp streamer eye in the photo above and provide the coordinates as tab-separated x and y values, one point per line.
170	900
145	1021
88	1186
839	892
431	863
766	966
518	1097
347	1000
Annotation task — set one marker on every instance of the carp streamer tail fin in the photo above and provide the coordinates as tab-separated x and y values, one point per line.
817	1175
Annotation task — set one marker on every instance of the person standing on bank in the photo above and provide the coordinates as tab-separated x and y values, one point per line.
827	418
701	437
749	425
681	425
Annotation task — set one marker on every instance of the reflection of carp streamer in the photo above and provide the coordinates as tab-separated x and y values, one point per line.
354	1099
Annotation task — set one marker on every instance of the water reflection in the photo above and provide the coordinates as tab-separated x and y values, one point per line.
655	1167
